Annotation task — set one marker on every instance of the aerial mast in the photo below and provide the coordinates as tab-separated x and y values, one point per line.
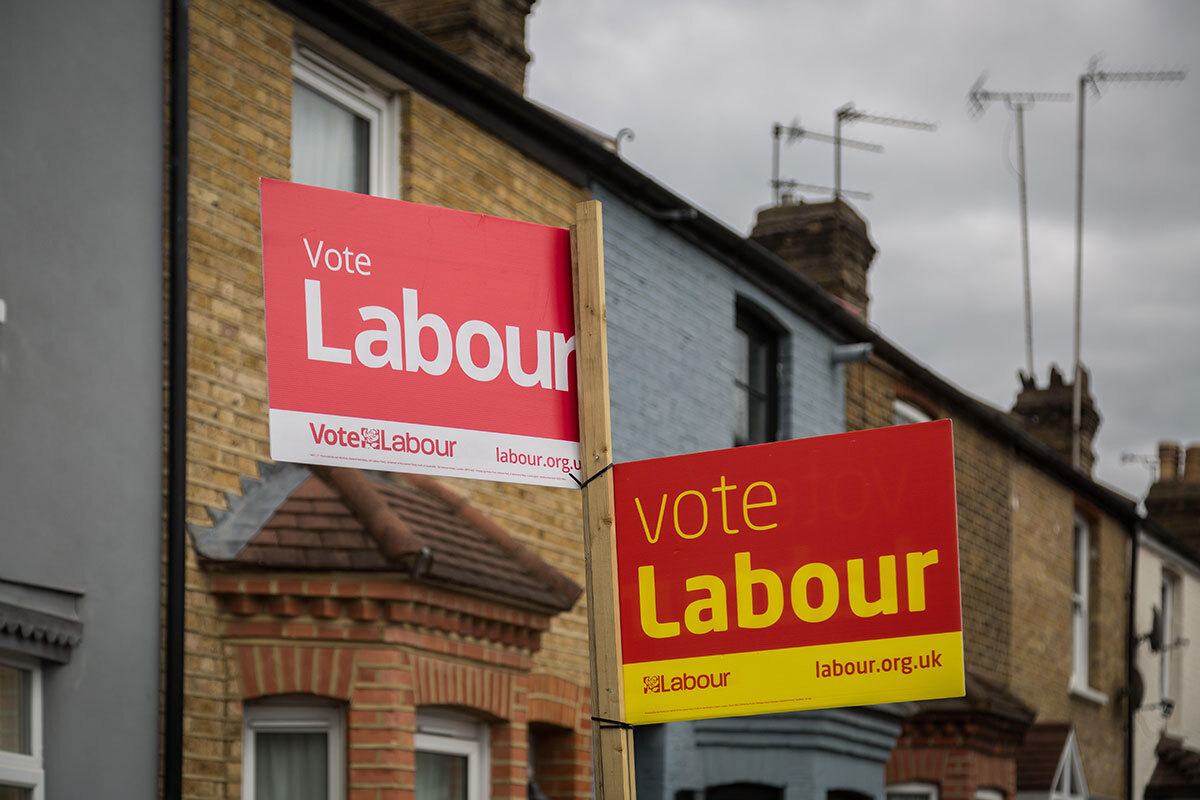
1092	79
1018	102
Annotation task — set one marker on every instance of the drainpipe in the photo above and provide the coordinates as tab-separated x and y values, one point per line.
176	544
1131	665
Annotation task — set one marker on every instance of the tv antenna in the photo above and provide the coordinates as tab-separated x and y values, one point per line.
848	113
794	132
1092	80
1017	102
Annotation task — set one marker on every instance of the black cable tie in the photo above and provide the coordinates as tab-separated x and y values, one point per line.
611	723
589	480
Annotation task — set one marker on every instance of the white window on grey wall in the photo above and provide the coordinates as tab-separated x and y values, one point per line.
21	774
345	132
756	378
293	751
452	756
913	790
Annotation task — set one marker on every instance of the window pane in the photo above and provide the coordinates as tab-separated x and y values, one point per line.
441	776
291	766
330	143
15	686
15	793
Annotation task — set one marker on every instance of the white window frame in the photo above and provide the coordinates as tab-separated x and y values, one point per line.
905	413
1070	782
1169	625
453	733
926	789
19	769
1081	614
988	794
296	717
379	108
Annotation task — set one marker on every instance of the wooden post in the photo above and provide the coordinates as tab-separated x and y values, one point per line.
612	746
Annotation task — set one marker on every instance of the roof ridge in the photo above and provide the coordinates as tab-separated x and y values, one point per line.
395	537
558	583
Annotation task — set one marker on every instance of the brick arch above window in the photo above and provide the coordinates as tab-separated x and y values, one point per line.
292	669
447	683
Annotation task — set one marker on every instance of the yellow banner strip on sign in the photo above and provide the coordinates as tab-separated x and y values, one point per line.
818	676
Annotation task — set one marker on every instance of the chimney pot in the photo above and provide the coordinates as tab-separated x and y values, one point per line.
1191	465
1168	461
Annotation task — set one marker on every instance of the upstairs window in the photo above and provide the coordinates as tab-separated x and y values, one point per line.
906	413
1081	611
344	131
756	379
21	773
1169	622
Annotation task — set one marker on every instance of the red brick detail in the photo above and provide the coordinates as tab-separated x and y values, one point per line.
285	606
364	610
243	605
447	683
324	608
554	701
295	669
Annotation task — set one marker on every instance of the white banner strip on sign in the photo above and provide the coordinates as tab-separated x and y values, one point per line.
427	449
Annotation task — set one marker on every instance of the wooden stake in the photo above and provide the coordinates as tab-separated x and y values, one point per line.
612	746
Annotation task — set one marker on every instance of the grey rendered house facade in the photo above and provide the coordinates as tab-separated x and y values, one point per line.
705	353
81	409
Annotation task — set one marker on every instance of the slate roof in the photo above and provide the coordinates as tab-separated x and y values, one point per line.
983	696
327	519
1040	755
1177	774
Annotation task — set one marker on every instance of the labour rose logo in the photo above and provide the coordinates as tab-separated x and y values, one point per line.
373	438
654	683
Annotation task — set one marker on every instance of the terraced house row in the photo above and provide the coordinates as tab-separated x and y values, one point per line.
180	615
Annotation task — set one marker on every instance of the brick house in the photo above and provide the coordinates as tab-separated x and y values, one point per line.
328	602
1044	554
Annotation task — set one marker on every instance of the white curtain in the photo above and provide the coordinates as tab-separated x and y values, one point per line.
330	143
291	766
441	776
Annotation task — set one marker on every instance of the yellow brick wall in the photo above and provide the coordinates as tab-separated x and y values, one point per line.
981	468
1043	584
240	122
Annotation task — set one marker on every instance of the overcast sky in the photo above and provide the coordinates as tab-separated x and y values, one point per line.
701	82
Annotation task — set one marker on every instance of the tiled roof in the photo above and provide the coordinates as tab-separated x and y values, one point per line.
983	696
1177	774
346	519
1040	755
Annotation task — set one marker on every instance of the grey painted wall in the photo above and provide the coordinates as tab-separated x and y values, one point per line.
671	345
81	187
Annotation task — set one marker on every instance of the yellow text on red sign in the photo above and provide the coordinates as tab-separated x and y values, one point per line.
802	574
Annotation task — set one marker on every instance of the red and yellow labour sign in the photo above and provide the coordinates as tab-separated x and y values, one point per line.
804	574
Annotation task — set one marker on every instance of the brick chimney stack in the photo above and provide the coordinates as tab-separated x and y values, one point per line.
1046	414
1174	499
487	34
826	242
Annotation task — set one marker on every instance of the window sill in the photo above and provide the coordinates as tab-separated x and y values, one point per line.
1091	695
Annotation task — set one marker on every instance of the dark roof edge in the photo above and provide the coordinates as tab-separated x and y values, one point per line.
545	137
1167	539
